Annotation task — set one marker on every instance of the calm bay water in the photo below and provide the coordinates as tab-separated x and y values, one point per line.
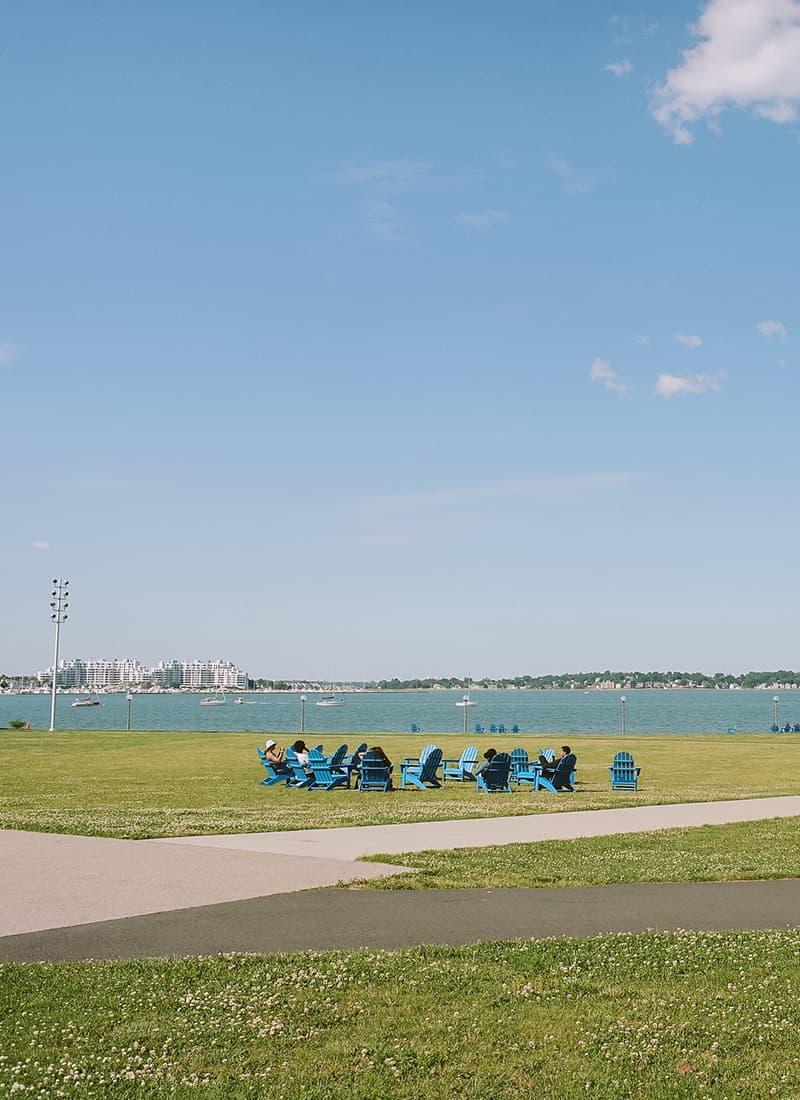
559	712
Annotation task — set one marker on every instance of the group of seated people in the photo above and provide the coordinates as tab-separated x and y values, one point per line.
559	772
276	755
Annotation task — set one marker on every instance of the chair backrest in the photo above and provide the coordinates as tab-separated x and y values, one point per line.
262	755
548	754
320	767
362	747
423	756
622	760
623	768
515	728
519	761
374	771
496	775
469	758
290	757
415	727
318	748
339	756
501	728
478	727
431	765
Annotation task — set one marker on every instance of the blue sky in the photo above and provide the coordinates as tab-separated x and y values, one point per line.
341	340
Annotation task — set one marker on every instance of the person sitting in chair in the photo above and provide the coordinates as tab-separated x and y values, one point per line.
560	773
274	755
487	759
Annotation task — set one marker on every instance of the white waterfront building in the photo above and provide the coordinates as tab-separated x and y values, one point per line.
115	672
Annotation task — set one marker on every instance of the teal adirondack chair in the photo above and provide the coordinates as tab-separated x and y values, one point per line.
325	778
300	779
623	773
273	775
422	774
461	770
495	779
376	774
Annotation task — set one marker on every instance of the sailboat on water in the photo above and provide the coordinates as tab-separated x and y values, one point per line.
217	700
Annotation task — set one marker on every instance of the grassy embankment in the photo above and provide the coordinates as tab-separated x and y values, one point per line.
709	853
149	784
656	1016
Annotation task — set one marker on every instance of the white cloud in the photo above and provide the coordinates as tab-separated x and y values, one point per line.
483	219
574	182
388	175
557	483
687	340
619	68
675	385
384	222
9	352
640	338
603	372
772	328
40	545
747	56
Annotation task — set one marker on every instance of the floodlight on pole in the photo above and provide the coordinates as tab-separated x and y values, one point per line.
622	701
58	615
775	711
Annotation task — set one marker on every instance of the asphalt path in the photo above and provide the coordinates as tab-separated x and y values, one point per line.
345	918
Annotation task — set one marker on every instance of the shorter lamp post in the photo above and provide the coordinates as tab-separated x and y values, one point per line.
465	702
129	697
302	714
622	701
775	711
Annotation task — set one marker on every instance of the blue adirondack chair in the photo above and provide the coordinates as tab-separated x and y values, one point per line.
495	779
515	728
461	769
273	775
300	779
419	759
548	754
623	773
415	728
358	751
422	775
376	775
479	728
338	757
493	728
796	727
774	729
325	779
501	728
519	762
319	748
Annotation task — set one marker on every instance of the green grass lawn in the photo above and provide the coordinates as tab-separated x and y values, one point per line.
708	853
656	1016
151	784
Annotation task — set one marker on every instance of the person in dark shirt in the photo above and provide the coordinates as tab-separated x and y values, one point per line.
560	773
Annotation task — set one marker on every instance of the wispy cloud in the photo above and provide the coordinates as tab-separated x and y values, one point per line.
687	340
574	182
9	352
482	219
678	385
559	483
602	372
619	68
772	328
393	176
640	338
39	545
747	56
384	221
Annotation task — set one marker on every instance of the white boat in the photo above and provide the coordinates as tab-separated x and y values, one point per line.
85	701
330	701
217	700
239	702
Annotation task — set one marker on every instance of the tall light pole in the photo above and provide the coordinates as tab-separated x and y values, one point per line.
775	711
58	615
465	702
129	697
622	701
302	714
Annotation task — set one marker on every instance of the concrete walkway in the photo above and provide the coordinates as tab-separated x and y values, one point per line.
321	919
363	840
55	881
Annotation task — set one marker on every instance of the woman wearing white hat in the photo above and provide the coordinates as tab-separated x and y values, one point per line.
274	753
